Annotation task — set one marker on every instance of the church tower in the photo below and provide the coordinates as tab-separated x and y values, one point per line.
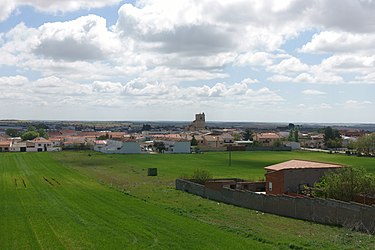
199	123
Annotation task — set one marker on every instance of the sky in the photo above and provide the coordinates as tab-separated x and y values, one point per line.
165	60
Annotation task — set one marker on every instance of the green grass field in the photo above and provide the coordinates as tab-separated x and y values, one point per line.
85	200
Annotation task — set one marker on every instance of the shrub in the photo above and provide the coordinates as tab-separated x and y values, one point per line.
344	184
201	176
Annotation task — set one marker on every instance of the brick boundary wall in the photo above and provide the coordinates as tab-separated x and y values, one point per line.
351	215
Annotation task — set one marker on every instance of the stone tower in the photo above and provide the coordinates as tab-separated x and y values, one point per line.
199	123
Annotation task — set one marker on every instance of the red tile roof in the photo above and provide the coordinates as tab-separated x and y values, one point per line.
4	143
41	140
298	164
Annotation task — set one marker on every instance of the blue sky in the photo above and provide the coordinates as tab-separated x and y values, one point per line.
241	60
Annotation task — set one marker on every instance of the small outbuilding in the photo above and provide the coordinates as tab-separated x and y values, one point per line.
291	176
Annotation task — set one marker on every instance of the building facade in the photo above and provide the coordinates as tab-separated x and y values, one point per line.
292	176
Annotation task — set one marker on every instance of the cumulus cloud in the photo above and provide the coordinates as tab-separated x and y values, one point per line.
292	64
107	87
339	42
313	92
334	14
13	81
187	29
52	6
86	38
188	51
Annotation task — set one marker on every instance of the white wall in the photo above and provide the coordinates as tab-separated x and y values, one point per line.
181	147
118	147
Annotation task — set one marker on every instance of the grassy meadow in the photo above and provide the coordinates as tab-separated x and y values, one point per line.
85	200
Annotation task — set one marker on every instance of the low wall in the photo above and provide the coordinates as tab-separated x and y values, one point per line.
264	148
325	211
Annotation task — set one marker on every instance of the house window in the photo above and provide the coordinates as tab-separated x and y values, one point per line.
39	145
270	186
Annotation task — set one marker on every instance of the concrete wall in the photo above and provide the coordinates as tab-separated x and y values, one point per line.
293	145
118	147
325	211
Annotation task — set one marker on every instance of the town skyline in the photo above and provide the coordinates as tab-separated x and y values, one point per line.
238	61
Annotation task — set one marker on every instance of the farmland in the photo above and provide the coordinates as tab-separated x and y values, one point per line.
71	200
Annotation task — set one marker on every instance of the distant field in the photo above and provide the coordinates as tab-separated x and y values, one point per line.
70	200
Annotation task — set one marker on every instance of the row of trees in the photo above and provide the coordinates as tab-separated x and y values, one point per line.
31	133
366	144
345	184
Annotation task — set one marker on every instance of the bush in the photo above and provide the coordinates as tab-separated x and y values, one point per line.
201	176
344	184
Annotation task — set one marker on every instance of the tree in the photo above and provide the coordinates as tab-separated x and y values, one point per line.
103	137
291	135
29	135
236	137
41	126
146	127
160	146
193	141
344	184
296	136
43	133
33	133
366	144
248	135
13	132
332	138
277	143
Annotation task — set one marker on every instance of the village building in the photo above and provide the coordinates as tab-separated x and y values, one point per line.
292	176
267	139
117	147
177	147
213	141
198	124
38	144
5	146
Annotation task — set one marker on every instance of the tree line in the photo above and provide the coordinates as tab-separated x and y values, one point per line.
30	134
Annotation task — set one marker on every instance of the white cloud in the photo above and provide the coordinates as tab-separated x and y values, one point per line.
255	59
286	66
249	81
186	53
339	42
107	87
13	81
355	103
325	106
85	38
280	78
304	77
52	6
59	87
313	92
